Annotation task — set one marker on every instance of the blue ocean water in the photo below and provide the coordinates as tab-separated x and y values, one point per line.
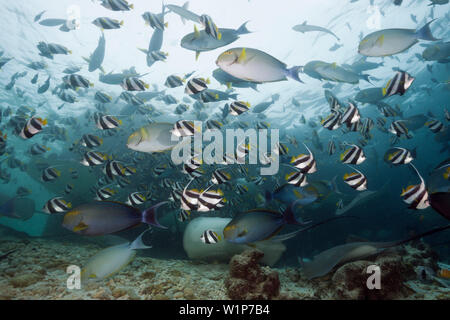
299	110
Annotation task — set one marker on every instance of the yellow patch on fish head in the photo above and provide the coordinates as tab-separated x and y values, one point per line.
407	189
392	155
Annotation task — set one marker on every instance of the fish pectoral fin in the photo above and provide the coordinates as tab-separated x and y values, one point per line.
242	57
380	41
81	226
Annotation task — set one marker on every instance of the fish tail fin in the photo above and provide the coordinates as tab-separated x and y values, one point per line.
424	33
289	216
293	73
138	243
243	29
366	77
149	215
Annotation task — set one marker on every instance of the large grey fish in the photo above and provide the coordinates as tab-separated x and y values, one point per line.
52	22
42	89
304	27
230	81
370	95
255	65
200	41
155	137
97	57
263	106
156	41
439	52
388	42
184	13
325	261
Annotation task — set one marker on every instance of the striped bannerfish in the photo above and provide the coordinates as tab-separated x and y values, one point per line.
416	195
297	179
106	122
57	205
134	84
210	27
90	141
351	115
367	126
68	189
191	165
37	149
107	23
219	177
399	84
239	107
183	215
156	21
356	180
189	199
306	163
353	155
113	168
135	199
213	125
241	189
331	148
435	125
397	156
174	81
388	111
104	194
196	85
184	128
209	199
398	128
77	81
102	97
281	149
332	122
50	174
93	158
210	237
117	5
33	127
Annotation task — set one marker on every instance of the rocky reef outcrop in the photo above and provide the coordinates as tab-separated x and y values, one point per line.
247	280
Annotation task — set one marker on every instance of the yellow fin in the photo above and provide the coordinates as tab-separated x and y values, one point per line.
196	32
242	56
380	40
80	226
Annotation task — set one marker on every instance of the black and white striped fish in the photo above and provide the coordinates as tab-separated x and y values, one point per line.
351	115
399	84
219	177
184	128
135	199
93	158
397	156
281	149
68	189
388	111
191	165
189	199
113	168
174	81
331	147
77	81
297	179
305	163
50	174
134	84
210	237
332	122
210	27
208	200
196	85
156	21
367	125
435	125
416	195
353	155
102	97
107	23
57	205
116	5
183	215
356	180
106	122
37	149
239	107
33	127
104	194
398	128
213	125
90	141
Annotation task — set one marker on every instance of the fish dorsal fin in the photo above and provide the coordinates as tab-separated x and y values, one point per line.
304	23
196	32
197	54
242	56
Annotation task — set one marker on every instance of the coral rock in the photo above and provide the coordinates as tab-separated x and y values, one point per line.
247	280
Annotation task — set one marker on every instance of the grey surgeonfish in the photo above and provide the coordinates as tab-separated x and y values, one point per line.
439	52
155	137
263	106
200	41
304	27
388	42
97	57
255	65
183	12
325	261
